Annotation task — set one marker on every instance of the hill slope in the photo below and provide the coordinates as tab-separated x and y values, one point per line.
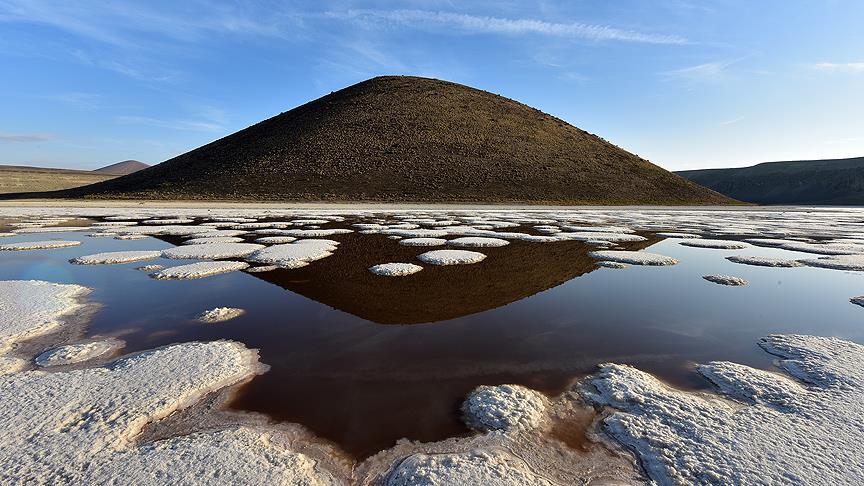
19	178
834	181
409	139
122	168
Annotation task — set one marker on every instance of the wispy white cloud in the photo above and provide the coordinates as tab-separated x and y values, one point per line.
701	72
186	125
841	67
731	121
26	137
465	23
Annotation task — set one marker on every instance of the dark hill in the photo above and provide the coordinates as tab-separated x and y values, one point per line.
409	139
834	182
122	168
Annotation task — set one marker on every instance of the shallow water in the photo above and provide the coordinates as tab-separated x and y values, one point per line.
364	360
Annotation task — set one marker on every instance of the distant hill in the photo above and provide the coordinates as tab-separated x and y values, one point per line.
398	138
122	168
830	182
18	178
26	179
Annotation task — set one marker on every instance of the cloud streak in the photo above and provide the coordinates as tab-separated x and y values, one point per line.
843	67
186	125
472	24
26	137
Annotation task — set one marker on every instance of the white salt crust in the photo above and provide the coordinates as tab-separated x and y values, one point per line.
478	242
726	280
764	261
633	257
799	430
114	257
78	352
674	234
262	268
211	251
275	240
395	269
715	244
38	245
473	468
198	270
219	314
30	308
611	264
293	255
451	257
423	242
89	437
149	268
504	407
838	262
215	239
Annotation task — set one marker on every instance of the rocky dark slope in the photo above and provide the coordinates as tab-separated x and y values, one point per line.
409	139
829	182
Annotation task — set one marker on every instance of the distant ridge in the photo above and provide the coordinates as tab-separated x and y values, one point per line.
402	138
820	182
122	168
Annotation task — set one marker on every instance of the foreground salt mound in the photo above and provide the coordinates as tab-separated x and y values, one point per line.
78	353
765	261
88	437
787	431
473	468
633	257
198	270
30	308
114	257
395	269
839	262
38	245
714	244
504	407
726	280
211	251
451	257
219	314
478	242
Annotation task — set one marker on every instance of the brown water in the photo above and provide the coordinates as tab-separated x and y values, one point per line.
364	360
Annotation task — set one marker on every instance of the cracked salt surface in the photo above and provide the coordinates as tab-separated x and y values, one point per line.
787	432
504	407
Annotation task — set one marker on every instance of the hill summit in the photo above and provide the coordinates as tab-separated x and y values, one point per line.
402	138
122	168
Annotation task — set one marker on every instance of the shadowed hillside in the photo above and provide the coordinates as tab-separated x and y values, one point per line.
834	181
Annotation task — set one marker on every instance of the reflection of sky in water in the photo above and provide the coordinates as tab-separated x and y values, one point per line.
347	370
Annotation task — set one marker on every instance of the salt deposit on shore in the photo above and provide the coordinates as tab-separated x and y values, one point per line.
839	262
77	353
423	242
211	251
504	407
714	244
478	242
764	261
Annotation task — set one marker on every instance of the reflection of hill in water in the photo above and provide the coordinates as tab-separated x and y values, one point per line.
437	293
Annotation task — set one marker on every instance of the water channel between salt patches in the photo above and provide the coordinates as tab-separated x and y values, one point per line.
538	363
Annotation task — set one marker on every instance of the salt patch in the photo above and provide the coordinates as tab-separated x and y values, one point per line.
838	262
504	407
77	353
633	257
715	244
211	251
611	264
423	242
395	269
764	261
292	255
199	270
219	314
113	257
275	240
451	257
38	245
215	239
478	242
474	468
726	280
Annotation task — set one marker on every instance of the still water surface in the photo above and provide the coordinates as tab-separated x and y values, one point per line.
364	360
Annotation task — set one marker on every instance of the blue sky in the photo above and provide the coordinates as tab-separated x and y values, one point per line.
684	83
